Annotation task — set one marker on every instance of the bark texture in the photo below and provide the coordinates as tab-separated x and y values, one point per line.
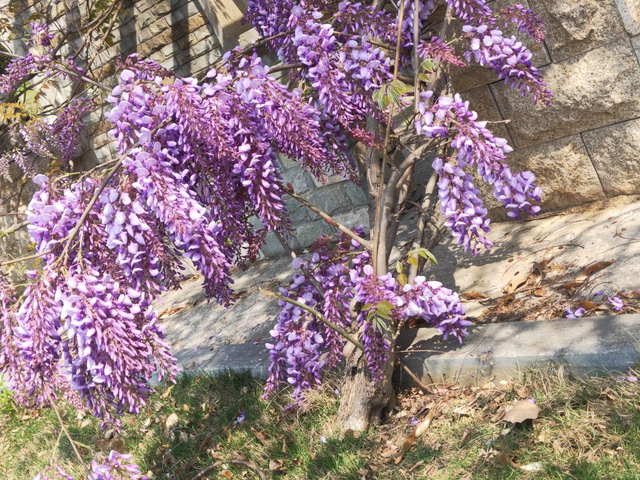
363	400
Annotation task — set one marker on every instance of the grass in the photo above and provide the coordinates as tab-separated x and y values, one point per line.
585	430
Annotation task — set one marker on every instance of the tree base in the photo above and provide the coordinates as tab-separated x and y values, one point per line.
363	400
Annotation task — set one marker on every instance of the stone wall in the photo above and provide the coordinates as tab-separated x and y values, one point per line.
587	145
583	148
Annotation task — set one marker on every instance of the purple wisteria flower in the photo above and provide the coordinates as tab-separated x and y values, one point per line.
574	314
616	303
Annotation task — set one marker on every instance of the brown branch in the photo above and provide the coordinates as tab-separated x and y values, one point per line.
14	228
316	314
425	212
282	68
413	376
66	432
253	46
365	243
380	236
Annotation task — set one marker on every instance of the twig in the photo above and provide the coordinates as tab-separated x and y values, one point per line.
14	228
282	68
317	314
55	447
365	243
253	46
413	376
380	237
66	432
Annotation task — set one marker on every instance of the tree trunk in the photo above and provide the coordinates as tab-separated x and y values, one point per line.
364	400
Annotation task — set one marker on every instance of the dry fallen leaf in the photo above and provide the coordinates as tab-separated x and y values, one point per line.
117	444
171	421
466	436
584	275
472	296
596	267
518	280
521	411
411	439
275	465
226	474
539	292
504	459
205	443
532	467
587	305
464	410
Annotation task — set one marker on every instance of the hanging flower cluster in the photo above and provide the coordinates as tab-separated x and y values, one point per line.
86	323
508	57
339	274
474	145
55	137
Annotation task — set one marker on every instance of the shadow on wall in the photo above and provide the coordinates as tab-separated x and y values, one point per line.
226	18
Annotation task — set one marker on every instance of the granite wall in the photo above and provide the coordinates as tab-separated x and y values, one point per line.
585	147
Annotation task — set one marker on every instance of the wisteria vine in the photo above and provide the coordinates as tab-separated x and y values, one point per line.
197	160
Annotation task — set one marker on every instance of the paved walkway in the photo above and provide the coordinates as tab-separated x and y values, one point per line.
207	336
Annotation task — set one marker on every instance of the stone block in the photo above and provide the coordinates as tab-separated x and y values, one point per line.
356	217
154	29
127	27
355	193
286	162
592	90
161	8
562	168
615	152
330	180
103	154
226	19
481	100
273	248
200	63
636	44
298	178
100	140
586	346
309	232
576	26
156	43
330	199
467	78
630	12
298	213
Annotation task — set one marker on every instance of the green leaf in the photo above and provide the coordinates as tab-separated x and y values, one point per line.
413	261
402	279
428	65
399	88
399	267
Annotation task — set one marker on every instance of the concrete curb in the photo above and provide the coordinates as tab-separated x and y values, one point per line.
241	357
499	351
504	350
